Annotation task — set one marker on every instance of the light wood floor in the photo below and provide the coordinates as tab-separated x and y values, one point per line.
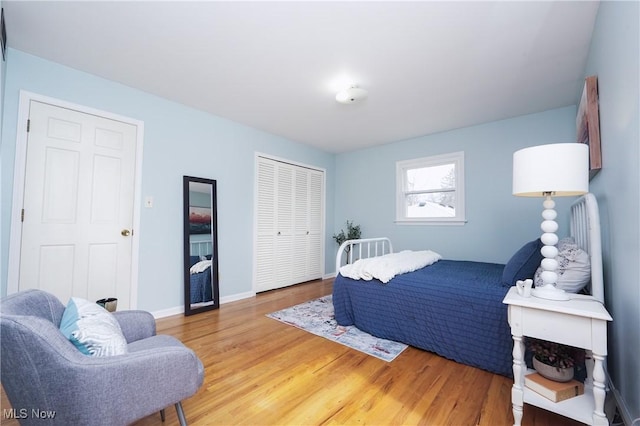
259	371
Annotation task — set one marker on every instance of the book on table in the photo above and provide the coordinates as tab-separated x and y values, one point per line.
555	391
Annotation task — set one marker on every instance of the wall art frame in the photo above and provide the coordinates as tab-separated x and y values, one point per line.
588	124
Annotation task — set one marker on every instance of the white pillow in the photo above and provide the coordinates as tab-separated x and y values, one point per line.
574	267
92	329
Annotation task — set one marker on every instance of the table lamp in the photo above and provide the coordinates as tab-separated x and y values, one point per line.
553	170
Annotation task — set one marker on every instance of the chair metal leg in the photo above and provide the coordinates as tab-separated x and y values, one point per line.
162	415
180	412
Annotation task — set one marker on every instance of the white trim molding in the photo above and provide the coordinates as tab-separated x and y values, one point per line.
15	238
424	192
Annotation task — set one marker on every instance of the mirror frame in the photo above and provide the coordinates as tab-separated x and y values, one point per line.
188	309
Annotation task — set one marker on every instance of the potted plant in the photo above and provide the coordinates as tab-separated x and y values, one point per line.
353	233
552	360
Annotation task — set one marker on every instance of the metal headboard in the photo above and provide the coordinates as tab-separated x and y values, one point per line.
585	230
365	248
201	248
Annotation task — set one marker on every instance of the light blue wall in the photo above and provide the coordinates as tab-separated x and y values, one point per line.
614	58
364	181
178	141
497	222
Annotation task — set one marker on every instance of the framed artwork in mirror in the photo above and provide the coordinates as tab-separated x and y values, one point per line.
199	220
588	124
201	291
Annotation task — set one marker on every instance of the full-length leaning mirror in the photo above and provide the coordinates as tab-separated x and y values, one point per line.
200	245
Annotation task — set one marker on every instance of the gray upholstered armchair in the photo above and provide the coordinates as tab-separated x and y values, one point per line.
43	371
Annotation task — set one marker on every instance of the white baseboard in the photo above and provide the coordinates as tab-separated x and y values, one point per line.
330	275
236	297
178	310
168	312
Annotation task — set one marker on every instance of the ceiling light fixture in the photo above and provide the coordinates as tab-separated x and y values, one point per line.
351	95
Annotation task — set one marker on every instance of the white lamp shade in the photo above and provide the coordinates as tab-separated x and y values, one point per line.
560	168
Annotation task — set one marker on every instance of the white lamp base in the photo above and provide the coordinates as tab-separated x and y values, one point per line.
550	292
549	251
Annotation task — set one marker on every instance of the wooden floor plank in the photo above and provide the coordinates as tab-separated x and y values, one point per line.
259	371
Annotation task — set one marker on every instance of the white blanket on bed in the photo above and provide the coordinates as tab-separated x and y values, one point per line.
388	266
200	267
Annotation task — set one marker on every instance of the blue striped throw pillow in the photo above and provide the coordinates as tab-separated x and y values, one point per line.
92	329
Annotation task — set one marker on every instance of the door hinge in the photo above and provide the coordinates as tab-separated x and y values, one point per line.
28	125
22	216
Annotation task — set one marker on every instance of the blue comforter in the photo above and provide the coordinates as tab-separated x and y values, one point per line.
201	288
452	308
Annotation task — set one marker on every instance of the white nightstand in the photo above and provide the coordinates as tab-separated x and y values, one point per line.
579	322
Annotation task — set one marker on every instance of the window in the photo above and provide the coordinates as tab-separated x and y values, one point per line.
430	190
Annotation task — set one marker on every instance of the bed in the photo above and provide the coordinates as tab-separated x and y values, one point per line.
454	308
201	288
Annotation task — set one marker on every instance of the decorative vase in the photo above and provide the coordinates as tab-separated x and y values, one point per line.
109	304
553	373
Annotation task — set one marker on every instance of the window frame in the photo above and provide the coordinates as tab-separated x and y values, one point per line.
457	158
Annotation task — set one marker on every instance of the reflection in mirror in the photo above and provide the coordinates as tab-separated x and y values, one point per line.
200	245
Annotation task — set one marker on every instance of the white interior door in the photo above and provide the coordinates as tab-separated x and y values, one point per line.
78	205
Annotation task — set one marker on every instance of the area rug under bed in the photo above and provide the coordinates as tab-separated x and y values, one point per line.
316	317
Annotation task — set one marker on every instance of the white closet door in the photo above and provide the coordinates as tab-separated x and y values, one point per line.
266	223
289	216
301	224
315	256
283	255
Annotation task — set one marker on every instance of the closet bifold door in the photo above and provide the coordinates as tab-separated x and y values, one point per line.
289	224
265	224
313	233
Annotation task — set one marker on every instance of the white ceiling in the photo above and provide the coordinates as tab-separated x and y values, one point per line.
275	66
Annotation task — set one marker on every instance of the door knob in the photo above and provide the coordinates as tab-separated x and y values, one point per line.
125	232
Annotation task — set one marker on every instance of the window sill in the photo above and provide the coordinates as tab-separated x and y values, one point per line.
431	222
